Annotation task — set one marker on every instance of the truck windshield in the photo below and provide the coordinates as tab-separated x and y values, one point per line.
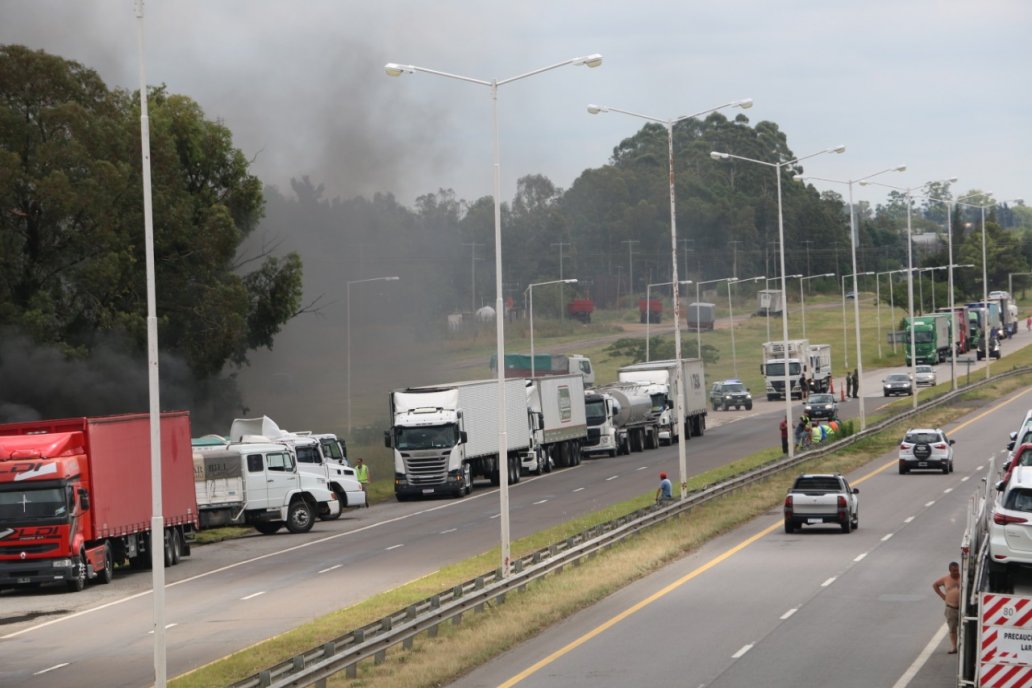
595	412
921	336
427	437
332	449
778	369
25	504
308	454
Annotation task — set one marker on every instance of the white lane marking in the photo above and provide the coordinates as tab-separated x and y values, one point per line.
641	468
947	490
578	489
964	479
921	659
745	648
332	568
908	519
450	530
167	626
252	595
977	468
828	582
496	516
789	613
929	503
612	477
388	549
860	557
540	501
885	538
56	666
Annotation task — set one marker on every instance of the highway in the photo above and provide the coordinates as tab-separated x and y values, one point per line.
758	606
229	596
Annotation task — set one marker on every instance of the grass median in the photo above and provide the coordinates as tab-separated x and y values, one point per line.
457	649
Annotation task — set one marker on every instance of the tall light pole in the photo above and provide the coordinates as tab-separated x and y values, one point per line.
348	331
854	241
394	69
731	316
530	306
562	301
908	193
679	402
778	166
648	310
802	299
845	339
877	284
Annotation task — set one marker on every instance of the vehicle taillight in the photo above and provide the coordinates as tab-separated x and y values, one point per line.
939	446
841	502
788	504
904	445
1003	519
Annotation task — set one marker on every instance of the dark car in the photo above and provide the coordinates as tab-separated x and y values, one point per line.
730	393
897	383
821	406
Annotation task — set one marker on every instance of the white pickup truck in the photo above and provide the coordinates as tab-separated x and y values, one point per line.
822	498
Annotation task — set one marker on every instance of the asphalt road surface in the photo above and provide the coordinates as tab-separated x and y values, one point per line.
759	607
229	596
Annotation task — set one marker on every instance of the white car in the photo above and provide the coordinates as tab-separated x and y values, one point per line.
924	449
925	375
1010	533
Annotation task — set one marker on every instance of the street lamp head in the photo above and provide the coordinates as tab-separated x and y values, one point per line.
595	109
686	282
793	276
744	103
394	69
719	156
570	281
592	61
827	274
798	178
952	180
392	279
901	168
864	182
838	149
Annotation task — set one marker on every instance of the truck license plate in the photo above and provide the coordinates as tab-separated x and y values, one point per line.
23	581
814	520
922	464
428	490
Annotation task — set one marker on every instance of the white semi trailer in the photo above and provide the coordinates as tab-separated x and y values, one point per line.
558	424
446	436
663	373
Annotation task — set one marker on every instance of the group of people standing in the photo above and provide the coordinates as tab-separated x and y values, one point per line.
853	385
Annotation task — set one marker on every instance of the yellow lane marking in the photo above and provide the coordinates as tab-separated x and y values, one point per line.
598	630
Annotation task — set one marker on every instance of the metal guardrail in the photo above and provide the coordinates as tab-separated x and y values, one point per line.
315	666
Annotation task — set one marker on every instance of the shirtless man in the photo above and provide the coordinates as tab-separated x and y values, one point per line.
948	588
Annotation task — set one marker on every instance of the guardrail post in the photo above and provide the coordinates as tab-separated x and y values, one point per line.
299	663
351	670
265	679
380	657
410	614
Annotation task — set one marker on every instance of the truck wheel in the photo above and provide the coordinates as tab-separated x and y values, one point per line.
342	499
177	546
268	527
299	517
169	556
847	525
467	477
106	574
789	526
77	583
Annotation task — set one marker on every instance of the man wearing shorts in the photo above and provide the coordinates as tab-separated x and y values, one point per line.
948	588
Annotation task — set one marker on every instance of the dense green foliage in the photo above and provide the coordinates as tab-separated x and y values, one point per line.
72	264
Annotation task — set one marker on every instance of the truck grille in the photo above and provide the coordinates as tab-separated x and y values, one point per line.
14	549
593	436
426	470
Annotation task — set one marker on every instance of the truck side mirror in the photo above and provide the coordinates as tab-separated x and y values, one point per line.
463	437
856	490
387	438
952	442
84	499
1001	485
1010	446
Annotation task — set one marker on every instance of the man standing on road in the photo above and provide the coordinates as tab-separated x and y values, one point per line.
784	435
948	588
362	476
856	384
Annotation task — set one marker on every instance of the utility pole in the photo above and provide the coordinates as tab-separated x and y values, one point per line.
562	301
734	258
684	253
630	263
809	270
473	271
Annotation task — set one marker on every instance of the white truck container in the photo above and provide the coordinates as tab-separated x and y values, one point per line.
558	424
607	415
664	373
258	484
819	367
445	436
310	458
769	302
775	362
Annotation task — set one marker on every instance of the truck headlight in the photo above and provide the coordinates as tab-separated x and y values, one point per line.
62	563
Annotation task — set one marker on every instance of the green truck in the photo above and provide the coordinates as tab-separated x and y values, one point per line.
932	338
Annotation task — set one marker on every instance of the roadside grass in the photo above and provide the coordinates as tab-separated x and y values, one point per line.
483	636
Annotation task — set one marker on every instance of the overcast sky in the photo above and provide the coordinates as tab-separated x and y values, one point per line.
941	85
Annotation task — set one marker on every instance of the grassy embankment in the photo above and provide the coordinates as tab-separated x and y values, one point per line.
482	636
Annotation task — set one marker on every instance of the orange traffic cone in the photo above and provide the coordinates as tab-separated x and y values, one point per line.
843	390
831	385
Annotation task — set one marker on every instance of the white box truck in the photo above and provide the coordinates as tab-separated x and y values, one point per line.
558	424
445	436
819	367
257	483
769	302
664	373
775	362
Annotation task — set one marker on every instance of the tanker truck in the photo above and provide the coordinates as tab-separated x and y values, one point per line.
622	417
663	374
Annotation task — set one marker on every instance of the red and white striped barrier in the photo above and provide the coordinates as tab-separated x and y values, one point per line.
1005	650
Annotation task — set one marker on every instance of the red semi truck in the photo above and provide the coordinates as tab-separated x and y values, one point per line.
75	497
650	311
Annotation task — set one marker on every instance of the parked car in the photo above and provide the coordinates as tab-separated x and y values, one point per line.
728	393
925	448
1023	433
1010	533
821	406
1022	456
925	375
897	383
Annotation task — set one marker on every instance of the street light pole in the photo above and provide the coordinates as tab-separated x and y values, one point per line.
648	311
781	250
394	69
348	334
679	399
892	307
802	301
530	308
